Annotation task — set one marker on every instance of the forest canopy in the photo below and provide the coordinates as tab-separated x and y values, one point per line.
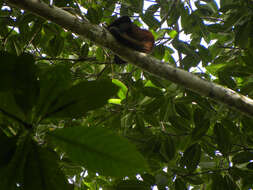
178	118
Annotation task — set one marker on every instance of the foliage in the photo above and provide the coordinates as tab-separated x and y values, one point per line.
71	119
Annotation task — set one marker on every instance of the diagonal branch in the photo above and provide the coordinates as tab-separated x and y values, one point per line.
103	38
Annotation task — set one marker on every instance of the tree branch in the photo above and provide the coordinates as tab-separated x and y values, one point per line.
103	38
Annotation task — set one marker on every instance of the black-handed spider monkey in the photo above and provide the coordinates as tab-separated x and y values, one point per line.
131	36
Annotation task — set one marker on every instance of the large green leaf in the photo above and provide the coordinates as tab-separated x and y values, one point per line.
54	80
83	97
42	171
8	148
9	108
99	150
30	166
12	174
18	74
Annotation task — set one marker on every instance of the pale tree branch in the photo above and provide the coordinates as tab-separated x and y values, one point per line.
103	38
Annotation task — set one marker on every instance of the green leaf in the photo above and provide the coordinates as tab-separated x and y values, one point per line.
12	174
100	56
204	9
168	149
99	150
54	80
226	79
214	68
43	168
84	50
151	119
8	148
161	180
9	108
195	180
132	184
55	46
191	157
242	35
63	3
123	88
124	9
95	15
126	120
167	109
242	157
173	33
225	3
154	105
148	178
152	9
180	184
27	92
81	98
149	18
184	48
202	124
26	75
190	61
205	55
215	28
140	125
183	110
250	165
218	182
233	19
236	173
223	138
16	72
114	101
179	123
137	5
172	10
159	52
152	92
230	184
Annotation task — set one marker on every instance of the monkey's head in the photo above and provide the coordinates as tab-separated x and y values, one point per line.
120	21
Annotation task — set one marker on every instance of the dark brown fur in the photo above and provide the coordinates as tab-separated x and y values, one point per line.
131	36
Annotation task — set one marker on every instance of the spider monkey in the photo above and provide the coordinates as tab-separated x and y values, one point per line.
131	36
